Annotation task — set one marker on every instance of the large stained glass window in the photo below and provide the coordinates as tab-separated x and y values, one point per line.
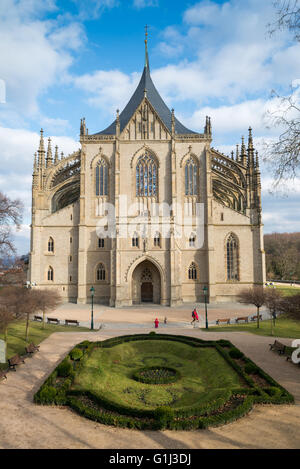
232	253
191	176
101	178
146	177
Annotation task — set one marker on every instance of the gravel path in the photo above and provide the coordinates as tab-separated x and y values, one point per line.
26	425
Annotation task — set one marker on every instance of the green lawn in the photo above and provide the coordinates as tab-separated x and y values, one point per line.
108	373
288	290
16	335
284	328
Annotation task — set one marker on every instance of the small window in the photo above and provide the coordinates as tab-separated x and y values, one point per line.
71	217
192	241
157	240
51	245
101	243
70	278
71	240
135	241
101	272
222	216
50	275
70	258
192	271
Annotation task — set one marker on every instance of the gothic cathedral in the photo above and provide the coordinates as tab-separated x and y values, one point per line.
146	211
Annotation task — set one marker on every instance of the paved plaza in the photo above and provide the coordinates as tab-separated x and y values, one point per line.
179	316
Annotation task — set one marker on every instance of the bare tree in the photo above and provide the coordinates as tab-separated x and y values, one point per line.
284	154
290	305
287	17
253	296
273	301
47	300
6	318
21	303
10	214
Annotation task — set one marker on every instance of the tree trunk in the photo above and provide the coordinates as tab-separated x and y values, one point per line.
27	327
272	333
257	317
43	319
5	340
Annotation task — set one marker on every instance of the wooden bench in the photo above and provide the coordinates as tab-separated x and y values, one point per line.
31	348
278	347
3	374
55	320
222	320
254	318
245	318
38	318
14	361
71	321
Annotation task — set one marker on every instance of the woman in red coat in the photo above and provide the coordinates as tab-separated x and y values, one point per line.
156	322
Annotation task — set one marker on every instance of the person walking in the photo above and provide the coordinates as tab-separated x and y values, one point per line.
194	316
156	322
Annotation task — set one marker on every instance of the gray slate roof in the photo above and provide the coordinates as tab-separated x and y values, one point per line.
156	101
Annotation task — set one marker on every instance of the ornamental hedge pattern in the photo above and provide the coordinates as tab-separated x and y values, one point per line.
262	389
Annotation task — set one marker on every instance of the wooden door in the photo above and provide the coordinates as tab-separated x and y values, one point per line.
147	292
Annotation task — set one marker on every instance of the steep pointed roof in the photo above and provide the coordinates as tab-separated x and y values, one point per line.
155	100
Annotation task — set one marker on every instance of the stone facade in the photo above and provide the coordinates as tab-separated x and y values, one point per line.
69	194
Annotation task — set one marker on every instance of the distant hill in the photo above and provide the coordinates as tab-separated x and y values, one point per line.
283	256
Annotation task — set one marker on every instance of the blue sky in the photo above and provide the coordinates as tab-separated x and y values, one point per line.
62	60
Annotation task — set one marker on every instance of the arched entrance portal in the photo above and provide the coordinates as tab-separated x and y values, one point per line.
146	283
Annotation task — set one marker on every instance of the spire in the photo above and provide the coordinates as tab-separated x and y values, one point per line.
237	153
173	121
250	149
146	48
35	162
41	150
243	153
257	170
56	155
117	122
49	160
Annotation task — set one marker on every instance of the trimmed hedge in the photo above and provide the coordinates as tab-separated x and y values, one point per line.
230	406
160	379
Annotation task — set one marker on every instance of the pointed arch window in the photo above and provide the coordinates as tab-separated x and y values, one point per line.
193	271
50	245
101	243
101	178
101	272
135	240
50	274
191	179
157	239
146	176
232	257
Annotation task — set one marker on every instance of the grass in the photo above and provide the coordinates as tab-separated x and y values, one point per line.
108	374
288	290
284	328
16	335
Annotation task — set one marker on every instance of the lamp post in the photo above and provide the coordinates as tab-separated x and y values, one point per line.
92	290
205	301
